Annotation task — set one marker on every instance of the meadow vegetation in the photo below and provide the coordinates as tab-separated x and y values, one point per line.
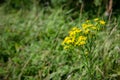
49	44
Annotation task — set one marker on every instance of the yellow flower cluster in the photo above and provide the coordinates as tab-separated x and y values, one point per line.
68	40
78	36
93	25
74	31
74	38
81	40
87	27
102	22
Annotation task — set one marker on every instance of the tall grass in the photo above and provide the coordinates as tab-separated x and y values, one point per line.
30	48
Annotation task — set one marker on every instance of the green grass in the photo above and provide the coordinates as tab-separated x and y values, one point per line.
30	48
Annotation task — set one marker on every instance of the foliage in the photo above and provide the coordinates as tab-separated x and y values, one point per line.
19	4
30	47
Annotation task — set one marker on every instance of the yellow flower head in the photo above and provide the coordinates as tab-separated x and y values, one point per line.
96	19
67	40
86	31
74	31
82	43
102	22
84	25
81	40
94	27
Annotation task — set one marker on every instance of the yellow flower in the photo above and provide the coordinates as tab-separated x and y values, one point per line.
72	39
68	40
74	31
102	22
96	19
81	40
84	25
82	43
86	31
94	28
78	30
